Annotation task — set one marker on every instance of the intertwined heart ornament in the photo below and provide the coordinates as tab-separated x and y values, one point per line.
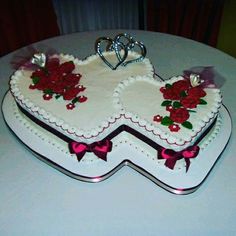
110	46
122	44
130	43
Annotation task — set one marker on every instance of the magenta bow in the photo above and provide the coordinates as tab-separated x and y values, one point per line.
100	148
172	157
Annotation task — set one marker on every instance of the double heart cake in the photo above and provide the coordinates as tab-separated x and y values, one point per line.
91	105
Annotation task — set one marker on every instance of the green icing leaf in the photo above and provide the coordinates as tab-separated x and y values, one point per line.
168	85
192	111
202	102
166	121
35	79
187	125
48	91
177	104
166	103
57	96
183	94
74	100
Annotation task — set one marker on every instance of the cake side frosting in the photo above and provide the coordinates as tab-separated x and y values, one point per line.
124	138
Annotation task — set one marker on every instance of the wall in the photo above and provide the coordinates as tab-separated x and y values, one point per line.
227	35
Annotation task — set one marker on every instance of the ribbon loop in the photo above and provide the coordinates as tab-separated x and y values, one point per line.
100	148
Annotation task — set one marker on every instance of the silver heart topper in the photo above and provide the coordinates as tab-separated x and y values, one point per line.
121	43
110	46
130	44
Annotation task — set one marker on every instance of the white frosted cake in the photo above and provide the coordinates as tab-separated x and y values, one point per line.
90	107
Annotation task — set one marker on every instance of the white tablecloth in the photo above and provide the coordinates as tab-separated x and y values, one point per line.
36	199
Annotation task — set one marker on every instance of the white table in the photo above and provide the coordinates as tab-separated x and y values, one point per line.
36	199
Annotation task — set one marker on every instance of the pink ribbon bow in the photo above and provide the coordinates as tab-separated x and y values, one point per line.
172	157
100	148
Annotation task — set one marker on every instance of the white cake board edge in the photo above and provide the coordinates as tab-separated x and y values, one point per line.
173	181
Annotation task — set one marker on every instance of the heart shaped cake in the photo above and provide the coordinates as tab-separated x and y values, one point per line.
90	105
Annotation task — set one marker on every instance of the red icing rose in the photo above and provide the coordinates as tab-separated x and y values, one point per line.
43	83
58	88
66	67
171	93
179	115
181	85
190	102
38	73
162	89
72	79
54	76
70	93
196	92
52	64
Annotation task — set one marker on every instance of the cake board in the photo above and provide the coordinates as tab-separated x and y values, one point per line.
177	182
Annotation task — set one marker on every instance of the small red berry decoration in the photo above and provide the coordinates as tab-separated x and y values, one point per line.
169	108
180	98
174	128
157	118
47	96
70	106
57	80
82	99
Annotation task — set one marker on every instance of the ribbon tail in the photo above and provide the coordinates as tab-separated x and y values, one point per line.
101	155
170	163
187	163
80	155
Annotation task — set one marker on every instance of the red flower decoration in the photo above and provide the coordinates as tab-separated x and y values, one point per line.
82	99
179	115
58	79
190	102
70	106
32	86
174	128
180	96
169	108
47	96
157	118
